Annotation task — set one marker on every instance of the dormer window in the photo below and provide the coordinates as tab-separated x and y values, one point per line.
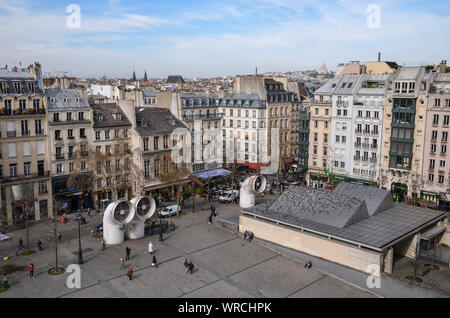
118	116
65	99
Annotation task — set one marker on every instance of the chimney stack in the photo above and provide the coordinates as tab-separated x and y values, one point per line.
443	66
379	56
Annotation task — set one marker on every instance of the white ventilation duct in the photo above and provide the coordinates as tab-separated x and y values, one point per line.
117	214
249	188
143	209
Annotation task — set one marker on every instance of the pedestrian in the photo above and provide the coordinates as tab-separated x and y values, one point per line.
39	244
5	281
245	235
154	262
250	237
150	248
186	265
122	263
130	274
89	213
127	252
31	269
210	219
103	244
21	243
191	267
308	265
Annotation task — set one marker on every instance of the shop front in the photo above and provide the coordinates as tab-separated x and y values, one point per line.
431	198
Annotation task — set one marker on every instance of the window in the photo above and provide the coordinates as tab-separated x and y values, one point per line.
433	148
342	165
82	133
436	120
27	168
97	135
83	165
26	148
145	140
166	142
317	111
116	133
437	103
59	168
106	134
344	139
433	135
325	138
446	120
376	115
125	133
12	150
345	112
431	177
443	149
58	135
55	116
39	147
81	116
156	143
444	136
338	138
70	133
13	170
441	179
69	116
316	124
432	163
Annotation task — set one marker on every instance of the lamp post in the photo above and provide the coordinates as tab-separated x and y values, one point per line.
80	251
160	230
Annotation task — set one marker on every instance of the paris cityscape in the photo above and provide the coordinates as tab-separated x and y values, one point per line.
225	150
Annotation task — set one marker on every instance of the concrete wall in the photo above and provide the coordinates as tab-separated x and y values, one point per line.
407	247
294	239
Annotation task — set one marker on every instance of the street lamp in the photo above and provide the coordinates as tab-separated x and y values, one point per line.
160	229
80	251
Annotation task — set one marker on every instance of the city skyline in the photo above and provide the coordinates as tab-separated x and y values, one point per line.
202	39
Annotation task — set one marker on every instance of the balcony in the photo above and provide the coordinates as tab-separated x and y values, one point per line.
39	132
26	133
357	158
11	133
366	132
71	137
83	137
358	132
365	146
357	145
25	112
59	156
374	147
204	116
16	178
363	159
84	153
373	160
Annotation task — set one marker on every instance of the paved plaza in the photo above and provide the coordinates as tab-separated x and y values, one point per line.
226	265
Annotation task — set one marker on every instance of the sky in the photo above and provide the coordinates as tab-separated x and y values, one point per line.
204	38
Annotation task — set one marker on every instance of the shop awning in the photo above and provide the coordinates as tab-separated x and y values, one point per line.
212	173
433	232
197	181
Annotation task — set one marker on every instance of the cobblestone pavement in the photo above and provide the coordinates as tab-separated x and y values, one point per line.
226	265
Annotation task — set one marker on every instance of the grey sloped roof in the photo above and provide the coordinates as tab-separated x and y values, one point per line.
149	93
379	231
407	73
55	99
7	74
442	77
155	120
327	88
108	111
377	200
371	91
319	206
348	79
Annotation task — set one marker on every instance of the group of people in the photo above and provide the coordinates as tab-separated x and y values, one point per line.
128	256
188	266
248	235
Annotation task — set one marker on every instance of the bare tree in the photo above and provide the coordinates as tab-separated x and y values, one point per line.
52	223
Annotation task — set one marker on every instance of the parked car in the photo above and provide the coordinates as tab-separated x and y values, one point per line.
99	228
169	211
227	197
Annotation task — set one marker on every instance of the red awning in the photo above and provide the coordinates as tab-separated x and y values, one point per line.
197	181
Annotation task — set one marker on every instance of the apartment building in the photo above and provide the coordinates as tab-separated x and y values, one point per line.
154	138
404	128
436	161
200	107
343	99
243	128
367	114
319	135
69	141
112	155
24	161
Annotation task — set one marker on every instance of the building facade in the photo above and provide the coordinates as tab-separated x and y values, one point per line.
25	168
69	140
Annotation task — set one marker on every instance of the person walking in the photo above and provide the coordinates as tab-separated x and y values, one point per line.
130	274
103	244
186	265
150	248
21	243
122	263
39	244
191	267
127	252
154	262
210	219
5	281
31	269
